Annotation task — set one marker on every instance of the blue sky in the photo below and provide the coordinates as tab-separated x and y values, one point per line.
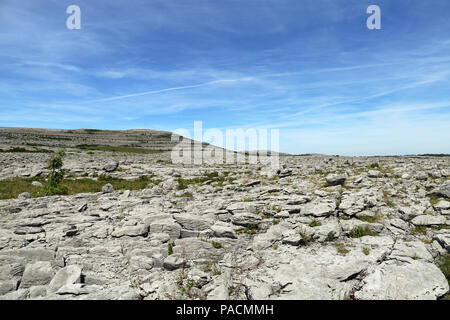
310	68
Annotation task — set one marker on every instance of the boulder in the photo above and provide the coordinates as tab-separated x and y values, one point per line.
443	190
174	262
131	231
444	240
374	174
112	166
401	280
37	184
335	179
24	195
107	188
221	231
67	276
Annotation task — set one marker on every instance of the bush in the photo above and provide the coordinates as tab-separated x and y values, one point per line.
58	190
217	245
315	223
170	247
330	237
55	164
444	265
56	175
360	231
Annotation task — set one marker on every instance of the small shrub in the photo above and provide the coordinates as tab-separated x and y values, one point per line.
444	265
306	240
374	166
330	237
217	245
315	223
419	230
434	199
56	175
170	247
250	229
387	199
366	251
186	195
340	249
360	231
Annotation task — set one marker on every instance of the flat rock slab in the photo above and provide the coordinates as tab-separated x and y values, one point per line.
35	274
399	280
131	231
429	220
192	222
319	208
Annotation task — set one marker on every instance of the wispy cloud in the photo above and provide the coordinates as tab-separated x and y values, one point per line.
308	67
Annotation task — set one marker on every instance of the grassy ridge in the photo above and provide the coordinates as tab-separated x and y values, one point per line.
11	188
124	149
23	150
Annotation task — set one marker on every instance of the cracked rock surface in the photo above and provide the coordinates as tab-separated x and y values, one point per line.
320	227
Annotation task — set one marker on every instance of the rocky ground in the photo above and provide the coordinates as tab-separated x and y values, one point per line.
320	227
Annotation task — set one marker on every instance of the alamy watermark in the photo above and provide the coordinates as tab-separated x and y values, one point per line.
374	21
234	146
74	20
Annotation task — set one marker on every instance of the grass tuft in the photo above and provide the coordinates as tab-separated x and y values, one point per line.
360	231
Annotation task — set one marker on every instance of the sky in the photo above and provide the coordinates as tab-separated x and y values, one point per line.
309	68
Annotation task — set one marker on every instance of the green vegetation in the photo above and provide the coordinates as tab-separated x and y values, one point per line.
444	265
92	131
361	231
170	246
341	249
387	199
434	155
370	219
11	188
186	195
250	229
23	150
434	199
212	176
315	223
366	251
306	239
212	267
123	149
187	287
331	236
374	165
217	245
440	227
419	230
56	175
